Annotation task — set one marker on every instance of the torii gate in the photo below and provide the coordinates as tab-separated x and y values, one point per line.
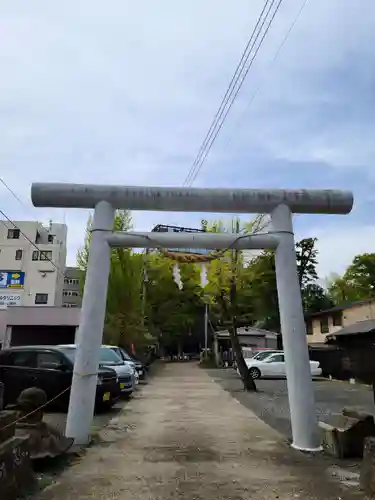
279	203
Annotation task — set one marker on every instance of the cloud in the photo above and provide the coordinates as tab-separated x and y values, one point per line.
125	92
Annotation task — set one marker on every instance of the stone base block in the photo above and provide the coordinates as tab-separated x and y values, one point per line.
16	473
343	435
7	425
367	477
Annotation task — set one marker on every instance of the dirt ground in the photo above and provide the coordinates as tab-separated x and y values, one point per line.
185	437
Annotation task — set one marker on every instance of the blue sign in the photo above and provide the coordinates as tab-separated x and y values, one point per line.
12	279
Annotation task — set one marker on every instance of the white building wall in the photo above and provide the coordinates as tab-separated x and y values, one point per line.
41	277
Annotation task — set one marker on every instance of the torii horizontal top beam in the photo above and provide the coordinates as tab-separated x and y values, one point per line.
213	241
177	199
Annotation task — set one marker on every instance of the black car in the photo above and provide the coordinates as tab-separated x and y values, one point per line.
138	365
50	369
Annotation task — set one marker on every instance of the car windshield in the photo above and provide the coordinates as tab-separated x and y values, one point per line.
262	355
121	353
107	356
125	355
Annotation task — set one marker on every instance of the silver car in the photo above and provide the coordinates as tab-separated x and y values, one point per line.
128	362
109	358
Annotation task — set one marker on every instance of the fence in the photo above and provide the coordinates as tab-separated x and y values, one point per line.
345	363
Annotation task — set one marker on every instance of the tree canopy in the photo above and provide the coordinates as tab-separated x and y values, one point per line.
358	281
141	311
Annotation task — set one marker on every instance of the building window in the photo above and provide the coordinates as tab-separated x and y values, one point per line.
13	234
37	237
18	254
337	319
324	325
70	305
45	255
35	255
41	298
309	328
71	281
51	238
70	293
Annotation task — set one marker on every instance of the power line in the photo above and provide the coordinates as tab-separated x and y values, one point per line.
12	192
229	91
277	53
21	232
197	165
208	149
30	241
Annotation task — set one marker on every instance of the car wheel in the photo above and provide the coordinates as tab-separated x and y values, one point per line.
254	373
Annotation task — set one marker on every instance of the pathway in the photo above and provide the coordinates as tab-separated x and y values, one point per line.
186	437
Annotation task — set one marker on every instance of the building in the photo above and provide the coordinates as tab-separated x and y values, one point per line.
27	275
330	321
255	338
38	325
71	295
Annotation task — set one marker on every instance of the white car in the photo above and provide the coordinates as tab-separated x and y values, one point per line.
273	366
262	355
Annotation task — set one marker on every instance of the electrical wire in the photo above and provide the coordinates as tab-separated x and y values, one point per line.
30	241
244	57
198	163
2	181
12	192
275	57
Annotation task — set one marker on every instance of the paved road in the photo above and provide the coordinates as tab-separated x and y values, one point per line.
270	403
184	437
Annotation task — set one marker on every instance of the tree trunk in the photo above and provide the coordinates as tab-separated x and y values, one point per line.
248	381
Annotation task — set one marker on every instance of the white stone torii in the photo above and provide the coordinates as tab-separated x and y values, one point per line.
279	203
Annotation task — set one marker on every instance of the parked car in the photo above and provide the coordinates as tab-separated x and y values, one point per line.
257	355
109	359
139	367
274	366
50	368
262	355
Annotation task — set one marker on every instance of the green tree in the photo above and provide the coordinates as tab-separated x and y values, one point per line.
357	283
225	286
123	321
172	314
360	275
340	291
260	281
314	297
306	255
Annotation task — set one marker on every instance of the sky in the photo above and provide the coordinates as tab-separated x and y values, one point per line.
123	92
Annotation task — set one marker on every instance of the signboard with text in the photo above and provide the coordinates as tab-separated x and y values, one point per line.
12	279
10	299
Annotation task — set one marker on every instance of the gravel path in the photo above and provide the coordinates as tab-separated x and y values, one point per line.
186	437
271	404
